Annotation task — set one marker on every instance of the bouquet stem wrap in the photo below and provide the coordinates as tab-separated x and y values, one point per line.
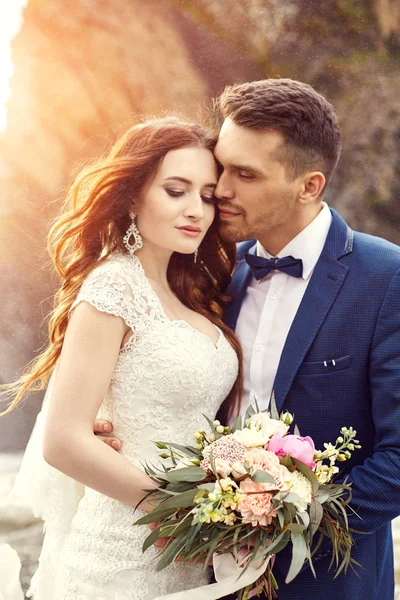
229	578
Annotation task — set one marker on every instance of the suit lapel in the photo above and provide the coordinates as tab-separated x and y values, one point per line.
326	281
237	287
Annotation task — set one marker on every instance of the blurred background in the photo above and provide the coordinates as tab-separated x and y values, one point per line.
75	75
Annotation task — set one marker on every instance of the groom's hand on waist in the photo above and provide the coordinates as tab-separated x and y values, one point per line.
104	430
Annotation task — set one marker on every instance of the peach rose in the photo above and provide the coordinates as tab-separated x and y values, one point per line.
263	460
256	508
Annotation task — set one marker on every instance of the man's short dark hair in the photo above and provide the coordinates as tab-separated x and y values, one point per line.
305	119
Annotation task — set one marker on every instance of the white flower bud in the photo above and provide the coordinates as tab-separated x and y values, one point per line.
216	423
210	437
197	435
238	469
222	467
287	418
220	429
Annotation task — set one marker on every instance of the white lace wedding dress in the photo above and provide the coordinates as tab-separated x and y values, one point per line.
167	375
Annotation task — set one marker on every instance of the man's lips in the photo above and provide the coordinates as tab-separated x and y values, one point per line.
226	213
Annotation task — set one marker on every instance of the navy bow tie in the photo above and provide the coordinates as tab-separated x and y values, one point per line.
260	266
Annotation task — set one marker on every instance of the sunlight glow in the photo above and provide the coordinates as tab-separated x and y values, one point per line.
10	23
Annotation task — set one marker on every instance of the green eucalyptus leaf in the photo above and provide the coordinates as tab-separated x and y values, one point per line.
281	517
263	477
155	516
304	517
299	554
273	407
211	424
152	538
182	501
290	498
237	424
249	413
296	527
170	552
316	514
322	495
206	486
186	474
212	465
190	450
279	542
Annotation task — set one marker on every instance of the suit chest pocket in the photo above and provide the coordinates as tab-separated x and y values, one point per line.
325	367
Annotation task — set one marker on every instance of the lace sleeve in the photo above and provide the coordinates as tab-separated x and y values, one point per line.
119	287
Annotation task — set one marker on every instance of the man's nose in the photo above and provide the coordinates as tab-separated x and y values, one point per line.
223	189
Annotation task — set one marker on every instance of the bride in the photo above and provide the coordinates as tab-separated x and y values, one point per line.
136	337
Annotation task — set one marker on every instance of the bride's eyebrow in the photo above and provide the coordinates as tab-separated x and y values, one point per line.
179	179
183	180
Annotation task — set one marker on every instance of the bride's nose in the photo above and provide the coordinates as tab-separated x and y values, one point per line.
195	207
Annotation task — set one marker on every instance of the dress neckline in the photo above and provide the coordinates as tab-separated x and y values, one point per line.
179	322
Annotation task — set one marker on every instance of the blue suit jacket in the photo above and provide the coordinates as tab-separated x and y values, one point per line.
350	312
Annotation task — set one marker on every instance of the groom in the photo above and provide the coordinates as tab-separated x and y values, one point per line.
316	308
321	329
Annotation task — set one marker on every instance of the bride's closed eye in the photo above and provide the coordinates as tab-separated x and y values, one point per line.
174	193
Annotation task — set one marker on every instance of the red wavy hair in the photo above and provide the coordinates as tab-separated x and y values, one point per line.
92	223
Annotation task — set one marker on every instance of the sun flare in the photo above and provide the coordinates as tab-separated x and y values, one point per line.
11	16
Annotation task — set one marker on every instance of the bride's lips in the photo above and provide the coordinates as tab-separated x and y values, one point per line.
190	230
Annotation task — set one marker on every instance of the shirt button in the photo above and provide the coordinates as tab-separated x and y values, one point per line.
260	347
272	296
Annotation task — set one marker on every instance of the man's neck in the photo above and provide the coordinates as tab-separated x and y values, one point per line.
275	241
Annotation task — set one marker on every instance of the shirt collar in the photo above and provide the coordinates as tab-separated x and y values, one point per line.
307	244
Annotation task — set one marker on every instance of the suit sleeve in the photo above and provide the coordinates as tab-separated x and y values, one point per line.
376	483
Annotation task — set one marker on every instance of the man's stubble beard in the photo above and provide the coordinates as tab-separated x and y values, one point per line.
234	234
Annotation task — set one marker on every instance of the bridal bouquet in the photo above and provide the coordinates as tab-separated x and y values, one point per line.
249	491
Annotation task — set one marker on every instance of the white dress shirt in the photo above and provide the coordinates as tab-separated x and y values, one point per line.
269	307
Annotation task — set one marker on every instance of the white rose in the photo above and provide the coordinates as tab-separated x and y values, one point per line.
222	467
251	438
263	422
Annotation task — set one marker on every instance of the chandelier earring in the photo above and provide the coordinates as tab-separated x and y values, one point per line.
195	255
132	239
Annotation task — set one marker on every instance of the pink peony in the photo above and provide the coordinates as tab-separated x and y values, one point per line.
299	447
255	505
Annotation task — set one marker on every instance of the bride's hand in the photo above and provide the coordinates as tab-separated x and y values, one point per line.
103	429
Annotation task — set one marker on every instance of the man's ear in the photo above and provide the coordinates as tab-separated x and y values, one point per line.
312	187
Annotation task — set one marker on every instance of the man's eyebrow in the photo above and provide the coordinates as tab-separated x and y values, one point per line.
248	169
183	180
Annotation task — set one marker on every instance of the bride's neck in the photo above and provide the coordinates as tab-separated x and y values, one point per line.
155	262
